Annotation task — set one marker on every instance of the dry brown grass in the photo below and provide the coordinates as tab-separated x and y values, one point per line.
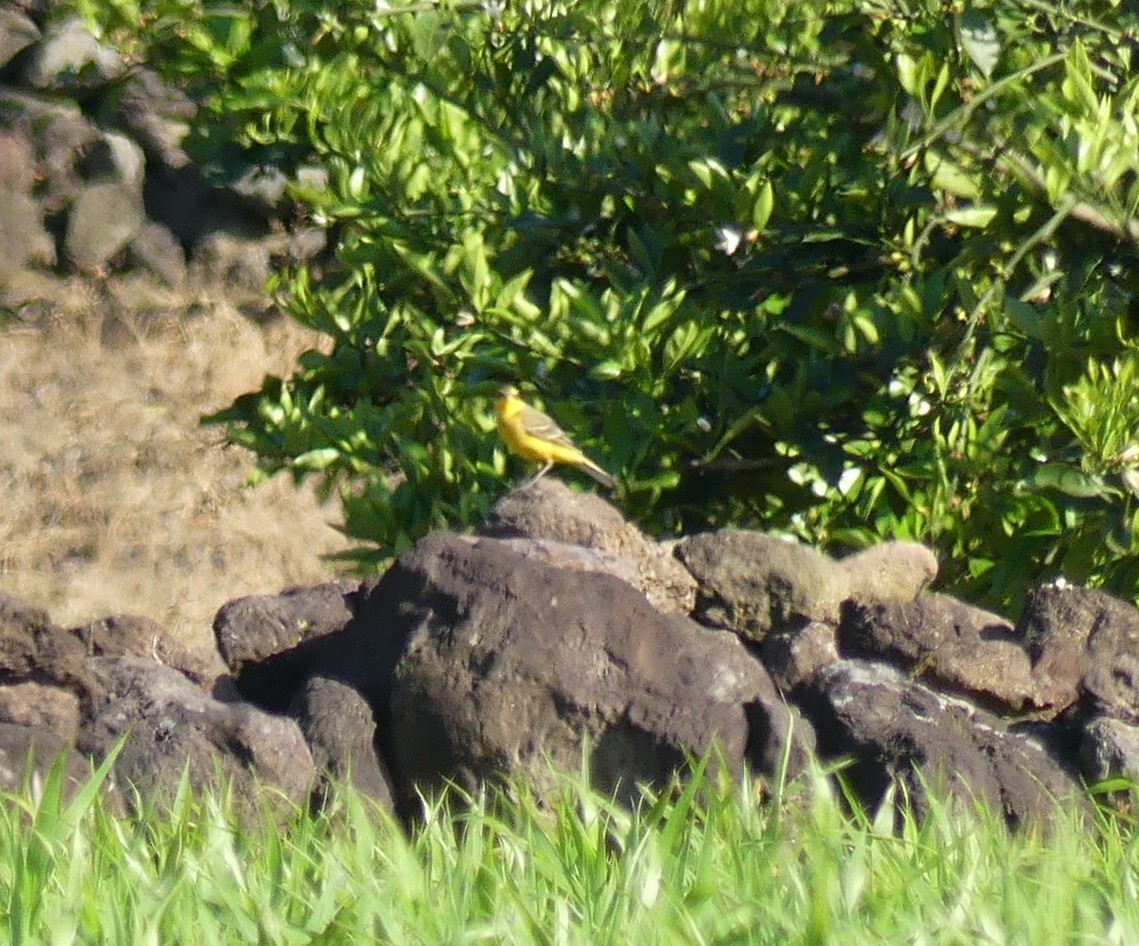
115	499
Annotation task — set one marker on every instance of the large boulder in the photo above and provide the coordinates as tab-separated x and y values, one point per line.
506	665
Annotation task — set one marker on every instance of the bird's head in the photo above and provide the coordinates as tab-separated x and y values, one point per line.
508	390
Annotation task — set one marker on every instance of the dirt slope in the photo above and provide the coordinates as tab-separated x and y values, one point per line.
115	499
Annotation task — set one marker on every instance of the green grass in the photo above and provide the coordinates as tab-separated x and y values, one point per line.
703	865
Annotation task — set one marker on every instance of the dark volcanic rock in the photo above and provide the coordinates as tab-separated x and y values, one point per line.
131	635
26	241
1109	748
753	583
171	727
1082	639
509	665
42	707
945	642
17	33
897	730
17	161
33	649
156	114
548	511
793	656
156	249
70	56
890	571
103	219
340	729
268	640
259	626
58	133
27	754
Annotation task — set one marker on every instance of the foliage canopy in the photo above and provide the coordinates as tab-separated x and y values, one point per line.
851	269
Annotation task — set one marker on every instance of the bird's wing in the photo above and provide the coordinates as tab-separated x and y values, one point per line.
537	424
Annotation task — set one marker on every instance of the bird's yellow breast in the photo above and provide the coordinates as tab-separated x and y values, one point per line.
510	413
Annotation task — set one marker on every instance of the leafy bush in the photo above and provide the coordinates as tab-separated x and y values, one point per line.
851	269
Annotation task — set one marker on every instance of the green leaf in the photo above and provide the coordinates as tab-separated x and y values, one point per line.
979	216
950	177
763	206
607	370
912	73
980	40
1070	480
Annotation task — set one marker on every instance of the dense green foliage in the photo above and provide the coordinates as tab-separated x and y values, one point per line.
850	269
698	866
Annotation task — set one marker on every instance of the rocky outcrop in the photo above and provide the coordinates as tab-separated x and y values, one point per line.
94	179
560	627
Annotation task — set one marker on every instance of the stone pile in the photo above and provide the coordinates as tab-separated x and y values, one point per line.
95	181
559	625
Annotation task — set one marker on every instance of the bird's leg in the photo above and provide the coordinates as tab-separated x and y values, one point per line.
537	476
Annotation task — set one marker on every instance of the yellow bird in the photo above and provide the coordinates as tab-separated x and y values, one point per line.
533	436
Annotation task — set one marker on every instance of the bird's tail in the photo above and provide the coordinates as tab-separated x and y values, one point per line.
590	468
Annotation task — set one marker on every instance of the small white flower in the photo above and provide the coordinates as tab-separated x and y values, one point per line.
728	239
919	406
